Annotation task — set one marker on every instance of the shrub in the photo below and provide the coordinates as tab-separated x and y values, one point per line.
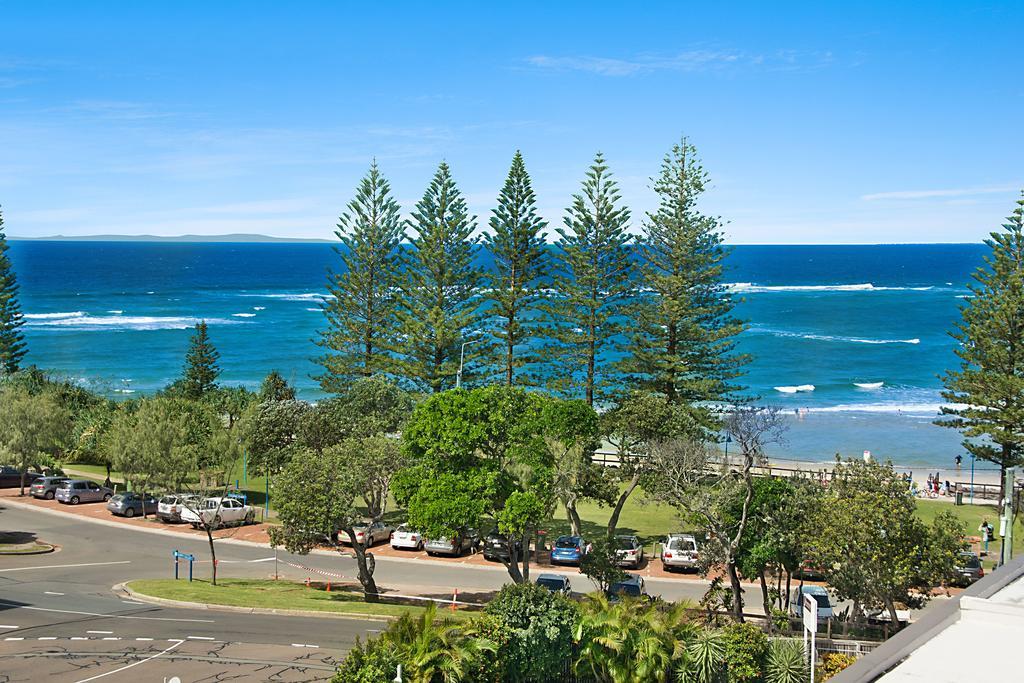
374	662
746	647
540	625
831	663
785	662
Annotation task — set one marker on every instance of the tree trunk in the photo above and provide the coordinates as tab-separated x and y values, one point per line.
891	607
23	480
213	550
766	602
574	517
512	564
737	590
613	521
526	556
789	580
365	563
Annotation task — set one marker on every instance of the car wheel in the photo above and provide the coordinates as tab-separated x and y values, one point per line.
130	512
75	500
49	495
106	497
194	525
250	517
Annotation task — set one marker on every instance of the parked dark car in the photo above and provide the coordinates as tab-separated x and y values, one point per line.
968	568
568	550
46	487
129	504
11	476
632	586
556	583
496	546
464	539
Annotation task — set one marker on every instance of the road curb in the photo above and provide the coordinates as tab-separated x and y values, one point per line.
142	597
42	551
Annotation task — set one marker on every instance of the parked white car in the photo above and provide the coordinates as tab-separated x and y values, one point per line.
217	512
407	538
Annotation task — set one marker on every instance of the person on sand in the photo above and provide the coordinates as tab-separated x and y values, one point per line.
958	459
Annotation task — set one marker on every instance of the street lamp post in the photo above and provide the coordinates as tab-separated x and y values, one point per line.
972	478
462	360
728	440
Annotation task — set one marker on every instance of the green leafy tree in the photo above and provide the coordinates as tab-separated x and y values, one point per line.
684	342
275	388
876	550
541	625
231	403
371	406
785	662
517	245
200	373
593	286
316	497
33	428
746	650
440	308
12	341
988	388
601	564
435	648
362	325
270	434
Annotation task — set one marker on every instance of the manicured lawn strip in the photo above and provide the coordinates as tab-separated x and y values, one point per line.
971	516
270	594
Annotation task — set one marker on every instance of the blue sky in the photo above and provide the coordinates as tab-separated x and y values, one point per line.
819	122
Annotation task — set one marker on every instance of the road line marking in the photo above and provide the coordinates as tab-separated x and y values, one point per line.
303	645
51	593
63	566
7	626
48	638
132	602
78	638
199	637
265	559
100	633
16	605
142	661
14	639
143	639
111	638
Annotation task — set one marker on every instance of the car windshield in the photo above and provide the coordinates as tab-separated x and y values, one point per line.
821	599
168	500
565	543
627	588
552	584
117	499
969	561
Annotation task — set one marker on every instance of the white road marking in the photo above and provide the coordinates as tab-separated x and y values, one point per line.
132	602
14	639
111	638
97	614
143	639
100	633
51	593
62	566
48	638
7	626
199	637
303	645
141	661
265	559
79	638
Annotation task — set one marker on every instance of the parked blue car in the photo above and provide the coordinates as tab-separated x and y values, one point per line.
568	550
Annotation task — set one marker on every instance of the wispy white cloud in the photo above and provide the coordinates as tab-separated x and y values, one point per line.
939	194
695	60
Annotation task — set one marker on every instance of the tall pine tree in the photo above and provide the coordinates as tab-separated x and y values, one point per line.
520	261
12	342
200	373
592	286
684	342
362	323
440	307
990	382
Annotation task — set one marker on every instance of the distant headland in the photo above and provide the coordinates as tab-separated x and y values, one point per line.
234	237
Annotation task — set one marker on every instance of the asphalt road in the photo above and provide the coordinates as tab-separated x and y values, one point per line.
61	618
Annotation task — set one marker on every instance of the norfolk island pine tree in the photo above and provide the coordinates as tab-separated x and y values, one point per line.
12	341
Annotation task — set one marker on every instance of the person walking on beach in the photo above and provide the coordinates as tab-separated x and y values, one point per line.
985	529
958	459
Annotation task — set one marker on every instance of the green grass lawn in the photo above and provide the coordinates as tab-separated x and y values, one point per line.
270	594
972	516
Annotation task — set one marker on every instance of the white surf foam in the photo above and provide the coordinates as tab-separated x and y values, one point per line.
259	308
284	296
830	337
752	288
868	385
116	312
53	316
121	322
916	409
243	315
795	389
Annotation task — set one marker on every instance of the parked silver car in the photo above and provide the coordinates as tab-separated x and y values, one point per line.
556	583
367	533
464	539
46	487
75	491
129	504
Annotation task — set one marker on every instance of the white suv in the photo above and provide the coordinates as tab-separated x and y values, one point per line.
217	512
680	551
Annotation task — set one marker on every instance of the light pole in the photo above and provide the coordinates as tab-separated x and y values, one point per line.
972	478
728	440
462	360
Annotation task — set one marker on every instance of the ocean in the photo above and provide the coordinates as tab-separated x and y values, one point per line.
850	341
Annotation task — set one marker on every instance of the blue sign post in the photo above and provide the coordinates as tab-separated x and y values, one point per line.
183	556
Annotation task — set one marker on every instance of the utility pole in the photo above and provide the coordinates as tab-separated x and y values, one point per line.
462	359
